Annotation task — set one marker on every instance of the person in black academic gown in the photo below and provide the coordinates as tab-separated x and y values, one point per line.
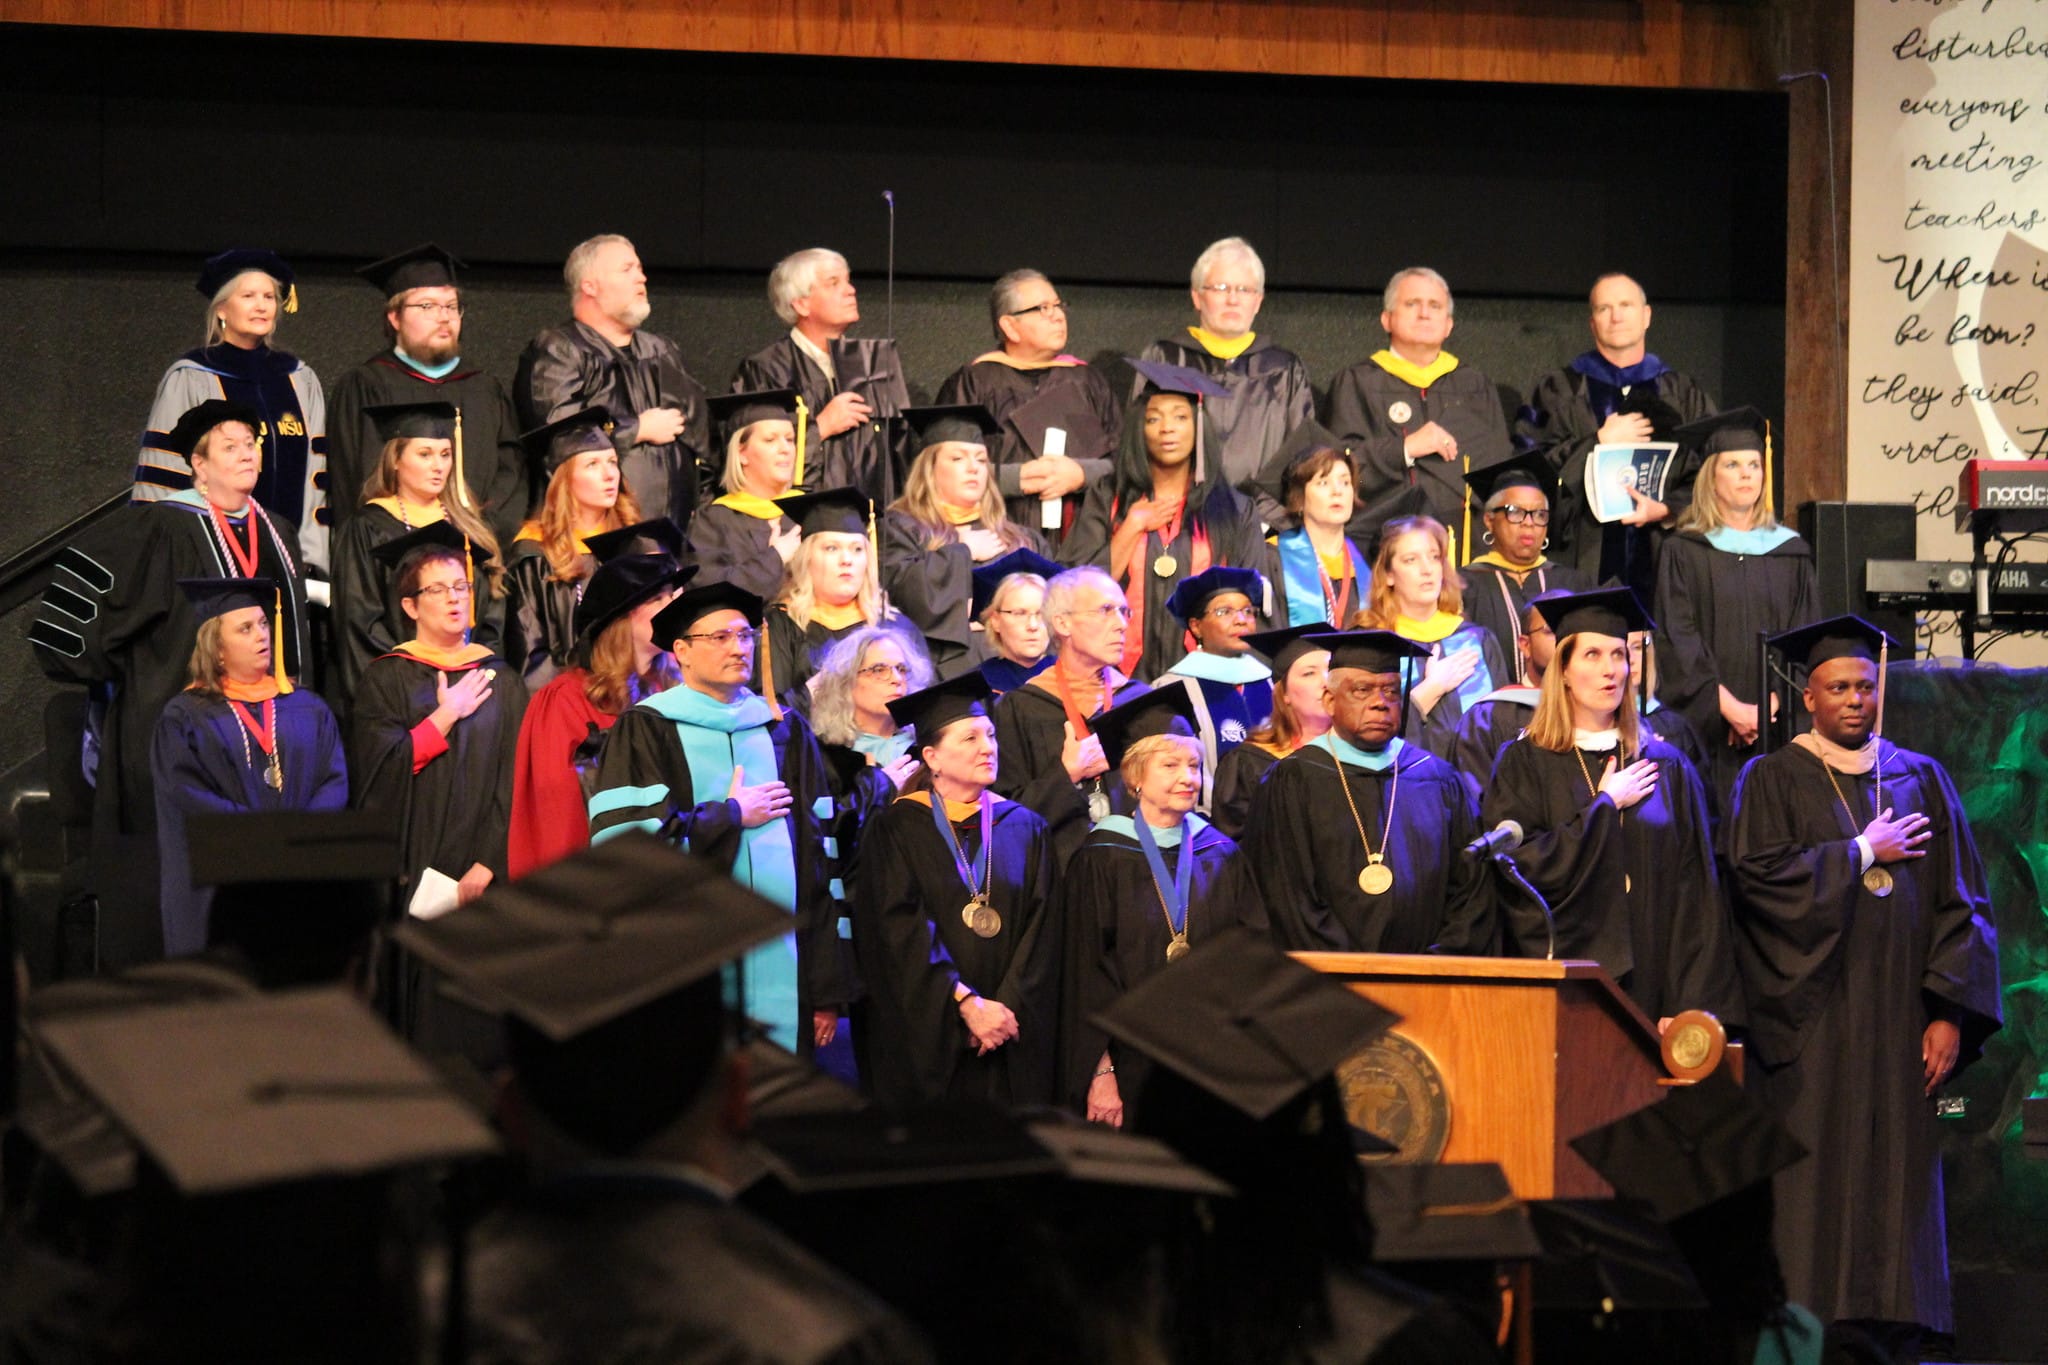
114	620
1141	891
1864	937
422	319
1727	574
1501	715
830	590
743	536
956	922
949	520
1355	837
1165	514
1032	389
1615	828
1051	759
852	388
1300	713
1009	602
1233	685
238	738
1515	500
1418	595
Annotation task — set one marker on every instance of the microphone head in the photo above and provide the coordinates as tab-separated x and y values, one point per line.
890	197
1512	829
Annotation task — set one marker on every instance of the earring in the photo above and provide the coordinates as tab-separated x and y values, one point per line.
1545	545
1487	537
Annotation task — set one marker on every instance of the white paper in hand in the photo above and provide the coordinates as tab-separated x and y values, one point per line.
435	896
1049	507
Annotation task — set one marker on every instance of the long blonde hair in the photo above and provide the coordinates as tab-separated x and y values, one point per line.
383	483
920	502
798	598
729	479
613	685
1381	607
1705	513
557	526
1552	726
205	668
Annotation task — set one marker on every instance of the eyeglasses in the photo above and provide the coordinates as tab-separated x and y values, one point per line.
722	639
1539	516
1367	691
1232	291
878	672
1244	613
434	310
1044	310
434	592
1016	613
1120	610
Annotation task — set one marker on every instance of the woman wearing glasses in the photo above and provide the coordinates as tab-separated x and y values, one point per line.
1499	584
413	487
949	521
1269	388
1009	602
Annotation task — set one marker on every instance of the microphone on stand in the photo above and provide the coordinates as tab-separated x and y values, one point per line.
1504	837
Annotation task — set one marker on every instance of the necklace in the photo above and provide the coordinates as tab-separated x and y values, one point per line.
1877	879
1376	878
1183	881
1627	882
265	732
979	914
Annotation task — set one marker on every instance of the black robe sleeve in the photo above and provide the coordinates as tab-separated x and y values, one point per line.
539	617
353	445
1238	775
1087	539
932	586
363	629
643	780
735	547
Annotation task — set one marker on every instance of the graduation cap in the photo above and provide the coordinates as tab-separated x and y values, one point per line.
1838	637
443	533
735	412
694	604
1308	437
1190	384
594	936
1193	594
238	1094
1455	1212
1093	1154
990	577
204	417
1735	429
1369	524
211	597
1699	1144
657	536
1167	709
413	421
1283	648
1605	1256
1373	651
1527	470
1642	400
845	510
1604	611
1245	1023
873	1150
932	709
425	266
969	423
218	270
560	441
621	583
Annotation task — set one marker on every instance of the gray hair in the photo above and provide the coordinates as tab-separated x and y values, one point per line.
1394	288
1223	251
1063	593
832	717
214	330
796	274
1002	299
582	256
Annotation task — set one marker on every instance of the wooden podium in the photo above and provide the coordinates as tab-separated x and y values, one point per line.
1517	1057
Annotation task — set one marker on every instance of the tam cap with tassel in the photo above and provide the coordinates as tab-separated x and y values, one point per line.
1190	384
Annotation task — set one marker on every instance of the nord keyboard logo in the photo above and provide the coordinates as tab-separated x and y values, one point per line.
2014	495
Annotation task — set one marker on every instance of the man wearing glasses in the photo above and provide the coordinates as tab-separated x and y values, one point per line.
1269	389
1060	418
422	363
730	776
1233	686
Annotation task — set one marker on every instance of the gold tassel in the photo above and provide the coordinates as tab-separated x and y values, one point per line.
1465	550
284	684
469	572
768	655
461	483
1200	427
291	298
1884	656
1770	503
803	421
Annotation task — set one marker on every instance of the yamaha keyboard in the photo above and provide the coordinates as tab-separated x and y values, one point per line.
1948	585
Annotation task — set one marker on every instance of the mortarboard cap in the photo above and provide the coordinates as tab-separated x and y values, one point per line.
694	604
555	444
781	1084
870	1149
844	510
219	270
1527	470
590	938
989	577
1735	429
970	423
211	597
622	583
1092	1154
443	533
1180	379
1700	1143
1614	612
1246	1023
735	412
932	709
1374	651
425	266
1168	709
204	417
1284	647
1607	1255
1643	401
294	846
413	421
1369	523
237	1094
1306	439
1839	637
1454	1212
659	536
1192	595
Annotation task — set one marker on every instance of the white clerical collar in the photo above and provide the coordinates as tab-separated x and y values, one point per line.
817	353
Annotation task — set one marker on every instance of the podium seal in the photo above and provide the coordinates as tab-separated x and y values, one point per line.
1394	1091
